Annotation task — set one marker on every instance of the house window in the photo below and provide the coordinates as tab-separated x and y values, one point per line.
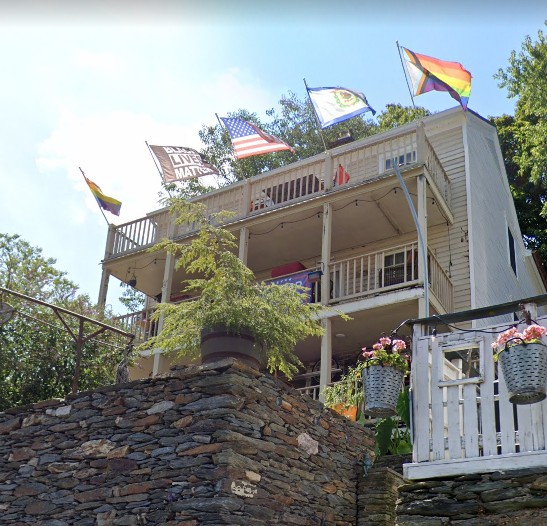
402	159
394	268
461	364
512	255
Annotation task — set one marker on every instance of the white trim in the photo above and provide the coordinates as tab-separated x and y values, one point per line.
466	466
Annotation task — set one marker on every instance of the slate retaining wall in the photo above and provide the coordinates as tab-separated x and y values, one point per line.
507	498
220	444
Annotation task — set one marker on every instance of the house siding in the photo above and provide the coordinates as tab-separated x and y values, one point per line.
448	242
494	279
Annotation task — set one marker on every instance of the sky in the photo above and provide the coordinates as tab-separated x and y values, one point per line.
87	87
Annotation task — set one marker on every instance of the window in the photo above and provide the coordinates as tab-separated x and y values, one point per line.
512	255
408	158
394	265
461	363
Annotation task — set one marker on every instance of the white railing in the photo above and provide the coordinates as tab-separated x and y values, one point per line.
140	324
463	420
368	273
301	181
440	284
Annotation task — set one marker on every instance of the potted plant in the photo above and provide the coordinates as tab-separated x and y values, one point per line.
383	369
266	320
523	359
345	396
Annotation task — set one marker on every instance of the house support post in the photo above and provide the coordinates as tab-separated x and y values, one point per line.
423	271
166	288
103	290
244	244
326	339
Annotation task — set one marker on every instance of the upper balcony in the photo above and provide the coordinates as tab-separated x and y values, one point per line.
368	162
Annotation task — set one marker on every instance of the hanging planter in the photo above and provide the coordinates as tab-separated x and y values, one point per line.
523	360
524	368
384	369
382	385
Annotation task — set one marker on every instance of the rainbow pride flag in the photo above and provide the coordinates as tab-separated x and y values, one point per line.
106	203
432	74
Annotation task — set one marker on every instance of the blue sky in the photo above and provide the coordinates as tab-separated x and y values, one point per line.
86	87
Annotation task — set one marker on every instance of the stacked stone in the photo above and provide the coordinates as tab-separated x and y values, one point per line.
211	445
507	498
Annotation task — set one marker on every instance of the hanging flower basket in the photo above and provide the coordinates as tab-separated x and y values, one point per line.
382	385
524	368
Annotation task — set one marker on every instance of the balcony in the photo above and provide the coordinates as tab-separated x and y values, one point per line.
463	421
368	162
362	276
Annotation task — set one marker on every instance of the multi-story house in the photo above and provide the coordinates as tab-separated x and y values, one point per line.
341	223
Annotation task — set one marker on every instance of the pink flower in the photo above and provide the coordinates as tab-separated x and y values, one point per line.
534	332
384	342
399	345
368	354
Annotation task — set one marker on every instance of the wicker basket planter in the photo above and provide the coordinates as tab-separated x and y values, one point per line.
382	385
524	368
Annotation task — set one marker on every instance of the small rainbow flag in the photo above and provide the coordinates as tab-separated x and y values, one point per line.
106	203
428	74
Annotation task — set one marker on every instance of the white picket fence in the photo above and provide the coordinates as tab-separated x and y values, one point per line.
462	418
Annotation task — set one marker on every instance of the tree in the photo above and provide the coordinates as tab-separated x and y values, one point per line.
397	115
294	123
523	139
37	353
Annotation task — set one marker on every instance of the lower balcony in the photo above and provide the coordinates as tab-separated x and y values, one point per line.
463	421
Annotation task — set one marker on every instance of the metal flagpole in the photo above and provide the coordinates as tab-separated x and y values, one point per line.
405	73
85	179
157	167
420	237
316	118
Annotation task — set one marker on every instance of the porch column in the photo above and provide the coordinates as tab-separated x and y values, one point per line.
423	271
103	289
166	288
326	339
244	244
326	357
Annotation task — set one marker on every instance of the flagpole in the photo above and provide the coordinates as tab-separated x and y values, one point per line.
157	168
316	117
85	179
405	73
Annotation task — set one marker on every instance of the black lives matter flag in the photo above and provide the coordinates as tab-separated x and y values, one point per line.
179	163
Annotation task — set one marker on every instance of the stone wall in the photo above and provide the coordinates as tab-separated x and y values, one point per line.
213	445
508	498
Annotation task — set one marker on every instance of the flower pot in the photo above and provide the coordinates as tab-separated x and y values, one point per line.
524	368
382	385
349	412
219	342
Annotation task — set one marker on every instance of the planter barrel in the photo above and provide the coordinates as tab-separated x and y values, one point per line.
382	385
218	343
524	368
349	412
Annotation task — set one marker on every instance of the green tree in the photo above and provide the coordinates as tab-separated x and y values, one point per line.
396	115
293	123
37	354
523	138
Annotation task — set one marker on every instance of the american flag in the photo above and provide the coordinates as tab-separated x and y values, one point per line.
248	139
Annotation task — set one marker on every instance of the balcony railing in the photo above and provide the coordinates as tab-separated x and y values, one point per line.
299	181
463	420
393	268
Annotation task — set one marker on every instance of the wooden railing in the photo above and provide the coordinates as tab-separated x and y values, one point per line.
299	181
140	324
462	418
440	284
